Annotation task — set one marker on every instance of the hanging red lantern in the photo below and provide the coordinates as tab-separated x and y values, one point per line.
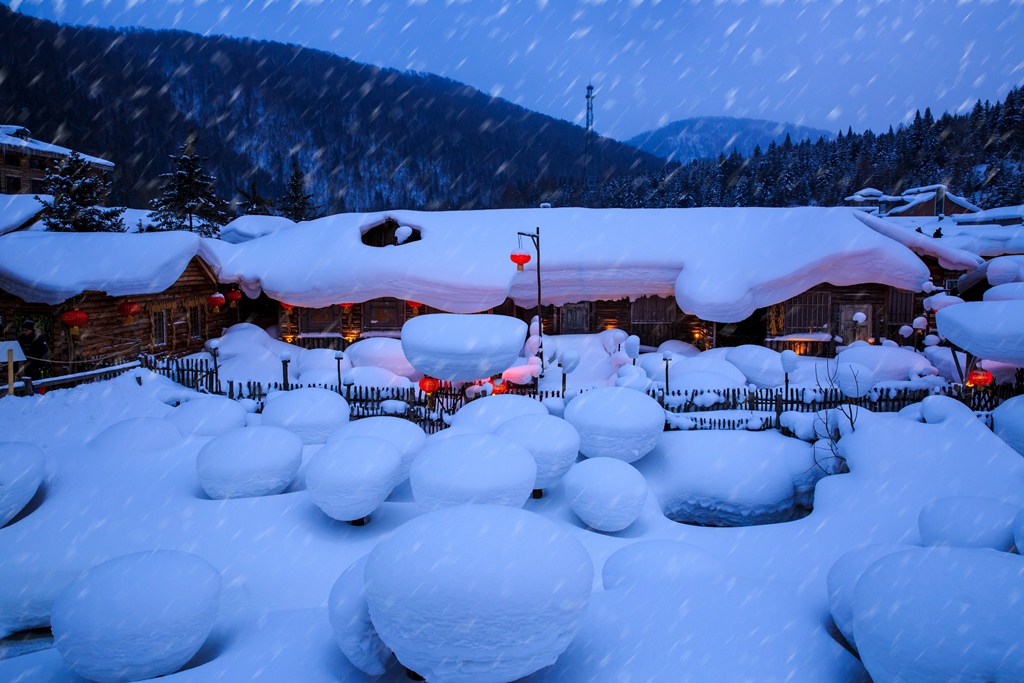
215	301
346	307
129	309
414	304
429	385
74	319
234	296
979	378
287	307
520	258
500	387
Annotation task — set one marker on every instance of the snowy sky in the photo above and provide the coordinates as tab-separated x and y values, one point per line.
823	64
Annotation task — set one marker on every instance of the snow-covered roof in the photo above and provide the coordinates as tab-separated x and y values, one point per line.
9	136
961	247
245	228
911	201
18	209
51	267
1012	214
720	263
868	194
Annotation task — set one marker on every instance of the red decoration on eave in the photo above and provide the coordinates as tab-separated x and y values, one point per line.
129	309
520	258
215	301
346	307
287	307
414	304
74	319
979	378
429	385
234	296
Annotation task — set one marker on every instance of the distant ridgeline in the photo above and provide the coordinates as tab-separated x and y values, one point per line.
369	138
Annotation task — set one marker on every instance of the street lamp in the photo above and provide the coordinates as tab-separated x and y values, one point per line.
517	258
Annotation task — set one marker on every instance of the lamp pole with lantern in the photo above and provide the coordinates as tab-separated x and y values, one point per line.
521	257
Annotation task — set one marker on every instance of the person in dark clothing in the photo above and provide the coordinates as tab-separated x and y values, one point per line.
37	352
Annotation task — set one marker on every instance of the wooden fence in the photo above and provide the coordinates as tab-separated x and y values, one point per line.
27	387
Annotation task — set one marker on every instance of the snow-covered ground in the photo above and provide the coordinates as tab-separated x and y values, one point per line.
514	584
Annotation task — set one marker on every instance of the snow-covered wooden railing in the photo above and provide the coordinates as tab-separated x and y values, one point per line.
28	387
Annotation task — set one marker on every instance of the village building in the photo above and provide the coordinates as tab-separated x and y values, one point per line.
932	200
25	161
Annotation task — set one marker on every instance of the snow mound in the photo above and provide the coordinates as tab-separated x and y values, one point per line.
472	468
1008	423
988	329
137	436
319	363
313	414
370	376
760	365
606	493
941	614
553	443
842	580
968	522
250	461
406	436
22	467
479	594
489	413
615	422
381	352
886	363
245	228
678	348
703	388
645	562
462	348
853	379
350	478
350	621
722	478
136	616
706	362
207	416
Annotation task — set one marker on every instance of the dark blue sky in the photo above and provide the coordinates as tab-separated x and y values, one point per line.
823	64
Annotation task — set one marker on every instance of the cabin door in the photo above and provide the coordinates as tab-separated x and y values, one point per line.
574	319
851	330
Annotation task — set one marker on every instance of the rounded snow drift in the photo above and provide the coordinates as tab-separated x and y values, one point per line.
349	479
252	461
406	436
138	435
311	413
380	352
478	594
941	614
1008	423
616	423
472	468
207	416
488	413
553	443
136	616
761	366
647	562
606	493
968	522
853	379
22	467
350	621
842	580
462	348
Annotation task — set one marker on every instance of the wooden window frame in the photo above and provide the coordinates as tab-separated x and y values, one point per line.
808	312
159	323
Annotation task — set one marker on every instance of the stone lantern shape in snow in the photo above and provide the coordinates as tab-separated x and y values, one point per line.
462	348
478	594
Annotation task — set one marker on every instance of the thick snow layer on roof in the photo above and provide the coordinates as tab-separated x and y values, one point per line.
17	209
950	256
245	228
720	263
1003	213
47	267
7	137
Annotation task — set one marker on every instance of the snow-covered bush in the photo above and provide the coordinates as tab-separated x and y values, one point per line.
22	467
761	366
616	422
381	352
312	413
553	443
207	416
408	437
489	413
251	461
607	494
349	478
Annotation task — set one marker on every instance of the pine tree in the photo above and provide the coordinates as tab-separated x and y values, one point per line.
189	200
297	204
78	195
253	202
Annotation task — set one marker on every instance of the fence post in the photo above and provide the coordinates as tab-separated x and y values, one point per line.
778	411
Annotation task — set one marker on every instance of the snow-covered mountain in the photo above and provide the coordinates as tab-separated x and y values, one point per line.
707	136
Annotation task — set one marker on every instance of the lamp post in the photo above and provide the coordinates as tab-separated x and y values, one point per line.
517	259
338	356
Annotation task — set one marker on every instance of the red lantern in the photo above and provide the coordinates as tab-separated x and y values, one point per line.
500	387
234	296
129	309
215	301
287	307
520	258
979	378
75	319
346	307
429	385
414	304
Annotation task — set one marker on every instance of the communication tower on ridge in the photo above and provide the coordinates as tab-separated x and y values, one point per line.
588	144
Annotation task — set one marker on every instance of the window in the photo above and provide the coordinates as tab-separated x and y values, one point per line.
952	286
901	307
160	319
38	186
13	185
37	164
11	159
653	309
809	312
195	323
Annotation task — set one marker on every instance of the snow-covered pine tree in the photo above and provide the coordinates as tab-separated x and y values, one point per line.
189	200
253	203
297	204
78	195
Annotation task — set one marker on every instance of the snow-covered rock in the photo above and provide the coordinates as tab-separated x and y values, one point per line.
842	581
350	619
349	478
606	493
645	562
136	616
761	366
941	614
406	436
478	594
462	348
489	413
249	461
22	467
472	468
553	443
381	352
312	413
207	416
968	522
616	422
1008	423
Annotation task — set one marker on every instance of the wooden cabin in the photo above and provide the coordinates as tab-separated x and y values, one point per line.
25	161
